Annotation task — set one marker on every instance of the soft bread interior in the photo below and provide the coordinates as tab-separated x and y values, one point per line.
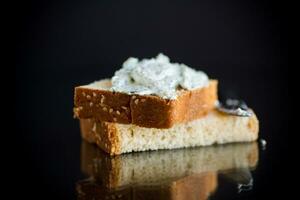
215	128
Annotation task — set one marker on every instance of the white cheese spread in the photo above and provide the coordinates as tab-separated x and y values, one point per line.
156	76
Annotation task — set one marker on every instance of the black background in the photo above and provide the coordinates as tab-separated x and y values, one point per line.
62	44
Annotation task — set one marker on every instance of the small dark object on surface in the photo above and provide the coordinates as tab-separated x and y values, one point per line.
234	107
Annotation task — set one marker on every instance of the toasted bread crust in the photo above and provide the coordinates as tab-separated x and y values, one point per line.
144	110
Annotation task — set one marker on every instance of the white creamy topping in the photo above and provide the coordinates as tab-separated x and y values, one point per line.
156	76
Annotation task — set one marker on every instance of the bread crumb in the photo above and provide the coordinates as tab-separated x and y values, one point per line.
136	101
118	112
104	109
80	108
94	94
143	100
263	143
83	94
133	97
123	107
111	110
88	96
91	104
114	119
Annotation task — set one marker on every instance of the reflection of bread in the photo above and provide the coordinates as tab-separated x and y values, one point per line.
152	168
192	187
196	186
215	127
97	101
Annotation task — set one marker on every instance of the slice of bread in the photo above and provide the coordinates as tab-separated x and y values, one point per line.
215	127
153	167
98	102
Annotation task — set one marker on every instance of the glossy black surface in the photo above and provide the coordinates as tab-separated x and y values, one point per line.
61	44
193	173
